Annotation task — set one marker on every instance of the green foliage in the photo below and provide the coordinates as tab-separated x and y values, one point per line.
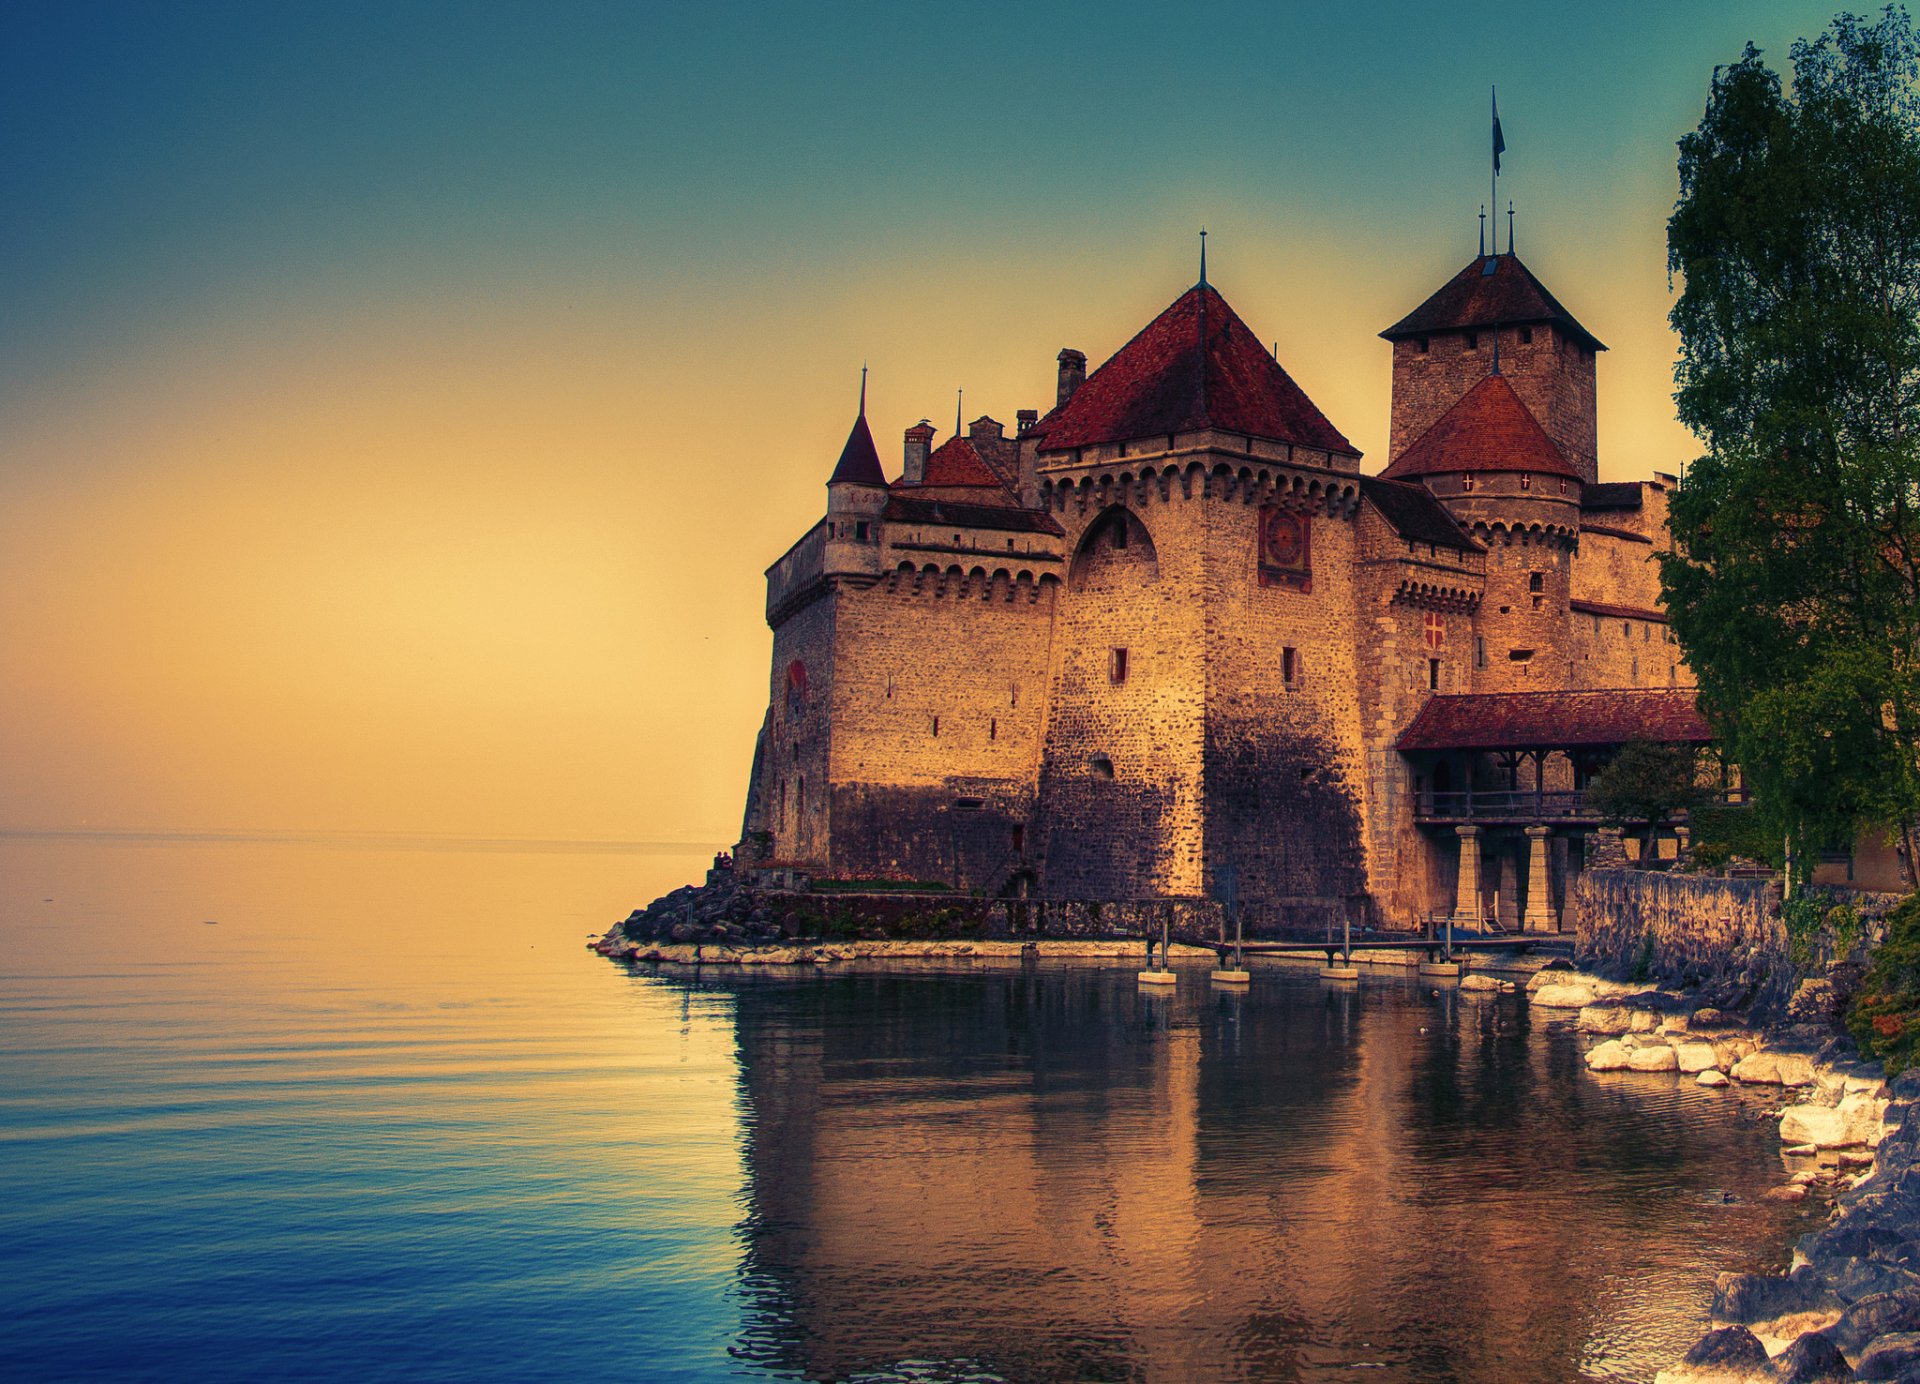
1643	963
1792	584
1818	928
1646	782
1720	833
1885	1015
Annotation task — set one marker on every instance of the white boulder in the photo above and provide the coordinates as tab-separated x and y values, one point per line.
1610	1056
1695	1057
1654	1058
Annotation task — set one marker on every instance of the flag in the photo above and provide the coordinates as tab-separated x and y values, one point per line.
1499	140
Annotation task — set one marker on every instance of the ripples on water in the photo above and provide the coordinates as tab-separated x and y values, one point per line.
385	1118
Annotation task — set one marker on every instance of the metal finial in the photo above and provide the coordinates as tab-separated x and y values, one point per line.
1509	225
1496	348
863	389
1203	257
959	399
1483	229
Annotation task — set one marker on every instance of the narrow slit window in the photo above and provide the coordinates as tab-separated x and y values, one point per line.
936	728
1289	666
993	728
1433	675
1116	666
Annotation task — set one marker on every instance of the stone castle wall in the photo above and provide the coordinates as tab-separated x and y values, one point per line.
1692	930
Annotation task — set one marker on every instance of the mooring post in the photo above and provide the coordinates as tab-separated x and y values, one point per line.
1449	936
1346	937
1238	964
1166	926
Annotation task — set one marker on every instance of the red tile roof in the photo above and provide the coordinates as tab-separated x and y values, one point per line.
1490	429
1166	380
956	463
1555	720
1509	296
859	462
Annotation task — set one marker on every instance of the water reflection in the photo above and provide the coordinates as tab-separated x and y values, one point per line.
1044	1173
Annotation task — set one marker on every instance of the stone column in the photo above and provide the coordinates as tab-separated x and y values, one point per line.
1466	896
1539	916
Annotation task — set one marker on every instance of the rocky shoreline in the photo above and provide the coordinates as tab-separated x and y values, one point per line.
1849	1307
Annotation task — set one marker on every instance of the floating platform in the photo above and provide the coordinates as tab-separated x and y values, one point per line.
1339	973
1441	970
1158	978
1224	977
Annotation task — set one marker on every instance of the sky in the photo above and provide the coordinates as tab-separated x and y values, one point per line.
400	403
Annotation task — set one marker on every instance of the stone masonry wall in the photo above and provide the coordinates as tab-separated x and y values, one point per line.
1690	930
1283	768
799	732
1119	799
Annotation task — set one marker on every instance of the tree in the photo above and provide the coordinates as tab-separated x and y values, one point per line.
1649	783
1796	538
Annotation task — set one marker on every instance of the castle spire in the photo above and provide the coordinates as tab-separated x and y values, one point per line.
1483	230
859	462
863	389
959	403
1203	257
1509	225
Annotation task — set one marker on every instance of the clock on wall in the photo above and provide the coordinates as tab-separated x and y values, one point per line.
1286	548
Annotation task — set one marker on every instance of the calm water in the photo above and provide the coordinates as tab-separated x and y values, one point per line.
320	1111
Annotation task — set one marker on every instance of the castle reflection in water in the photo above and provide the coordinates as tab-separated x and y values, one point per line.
1042	1173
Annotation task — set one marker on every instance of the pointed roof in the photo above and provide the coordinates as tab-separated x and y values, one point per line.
1490	429
859	461
1493	290
1168	379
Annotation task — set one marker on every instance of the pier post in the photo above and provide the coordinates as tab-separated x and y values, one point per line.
1539	915
1466	895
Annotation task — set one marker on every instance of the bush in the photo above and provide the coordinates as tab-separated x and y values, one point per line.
1720	833
1885	1015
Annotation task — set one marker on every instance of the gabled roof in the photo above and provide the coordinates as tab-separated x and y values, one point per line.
1414	514
859	462
905	506
1556	720
957	462
1494	290
1168	379
1489	429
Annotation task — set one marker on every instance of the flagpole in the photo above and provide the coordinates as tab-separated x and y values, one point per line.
1493	159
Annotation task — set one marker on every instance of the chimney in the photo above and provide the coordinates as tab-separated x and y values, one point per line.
919	443
1024	420
985	429
1073	374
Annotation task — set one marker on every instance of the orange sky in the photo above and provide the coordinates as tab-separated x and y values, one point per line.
450	514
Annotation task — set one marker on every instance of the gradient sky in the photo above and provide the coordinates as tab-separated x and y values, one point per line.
399	403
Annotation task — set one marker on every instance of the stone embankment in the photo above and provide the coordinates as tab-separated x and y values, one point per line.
1850	1306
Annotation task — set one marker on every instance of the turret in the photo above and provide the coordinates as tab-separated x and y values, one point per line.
1446	345
856	494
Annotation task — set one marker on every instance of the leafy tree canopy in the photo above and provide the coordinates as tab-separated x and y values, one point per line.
1796	562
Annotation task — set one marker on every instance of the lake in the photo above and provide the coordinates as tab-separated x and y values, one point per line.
326	1108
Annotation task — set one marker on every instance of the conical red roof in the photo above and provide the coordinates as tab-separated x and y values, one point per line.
1488	430
859	461
1169	380
1494	290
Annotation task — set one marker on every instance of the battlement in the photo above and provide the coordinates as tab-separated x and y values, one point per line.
1188	475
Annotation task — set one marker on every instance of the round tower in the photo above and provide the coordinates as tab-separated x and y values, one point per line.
1489	460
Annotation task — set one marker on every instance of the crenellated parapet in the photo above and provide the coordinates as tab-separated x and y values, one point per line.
1171	477
1004	585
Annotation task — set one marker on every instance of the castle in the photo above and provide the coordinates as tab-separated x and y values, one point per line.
1168	640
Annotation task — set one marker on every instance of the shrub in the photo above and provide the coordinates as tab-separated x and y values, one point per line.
1885	1015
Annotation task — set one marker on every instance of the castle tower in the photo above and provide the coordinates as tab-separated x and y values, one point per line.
1489	460
1444	347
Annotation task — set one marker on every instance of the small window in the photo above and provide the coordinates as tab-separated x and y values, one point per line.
1116	666
1536	581
1119	531
1019	839
1520	655
1526	336
1433	675
1633	672
993	728
1289	666
936	728
1421	342
1626	629
860	531
1101	766
969	804
1473	341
